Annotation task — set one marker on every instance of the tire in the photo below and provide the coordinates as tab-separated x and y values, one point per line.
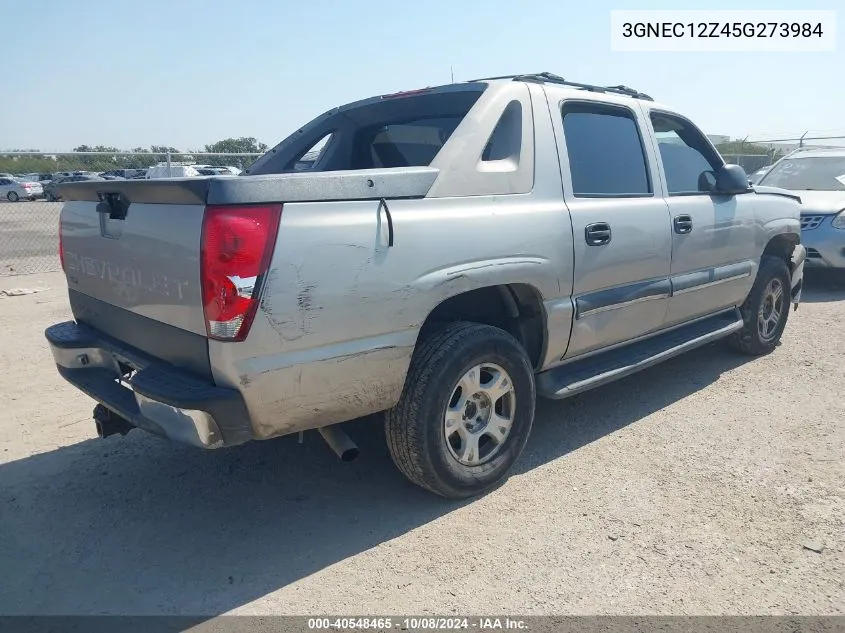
766	309
12	196
442	455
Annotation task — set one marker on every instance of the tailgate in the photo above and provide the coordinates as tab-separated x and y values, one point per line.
131	254
132	250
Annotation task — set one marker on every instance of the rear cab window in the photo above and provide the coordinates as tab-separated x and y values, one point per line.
606	152
392	131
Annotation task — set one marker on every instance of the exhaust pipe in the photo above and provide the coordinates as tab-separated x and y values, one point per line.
109	423
339	442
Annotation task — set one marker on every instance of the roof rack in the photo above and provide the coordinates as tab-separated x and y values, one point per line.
546	77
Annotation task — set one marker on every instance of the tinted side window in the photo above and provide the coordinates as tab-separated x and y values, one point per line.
686	155
506	140
605	149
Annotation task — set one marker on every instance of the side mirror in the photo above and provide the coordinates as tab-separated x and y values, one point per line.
732	180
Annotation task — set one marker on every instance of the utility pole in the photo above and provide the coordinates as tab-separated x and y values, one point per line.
452	73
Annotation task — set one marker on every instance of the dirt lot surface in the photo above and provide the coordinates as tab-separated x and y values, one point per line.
702	486
29	236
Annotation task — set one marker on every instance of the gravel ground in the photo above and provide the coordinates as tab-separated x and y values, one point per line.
702	486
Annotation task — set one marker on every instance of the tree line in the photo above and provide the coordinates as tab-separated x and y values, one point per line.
141	157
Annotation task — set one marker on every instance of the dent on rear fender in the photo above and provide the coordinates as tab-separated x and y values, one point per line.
302	384
298	305
289	324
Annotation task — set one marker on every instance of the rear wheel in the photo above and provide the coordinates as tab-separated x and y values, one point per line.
466	410
766	309
12	196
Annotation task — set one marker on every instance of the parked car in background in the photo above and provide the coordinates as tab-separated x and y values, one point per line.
50	190
214	171
127	174
65	174
451	253
14	189
174	170
38	177
818	177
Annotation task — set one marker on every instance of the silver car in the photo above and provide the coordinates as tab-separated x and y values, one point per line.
14	189
818	176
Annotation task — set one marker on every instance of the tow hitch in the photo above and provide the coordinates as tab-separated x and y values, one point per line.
109	423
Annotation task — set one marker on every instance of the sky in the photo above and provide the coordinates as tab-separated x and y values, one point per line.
185	73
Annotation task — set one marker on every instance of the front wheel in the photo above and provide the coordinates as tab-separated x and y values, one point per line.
766	309
466	410
12	196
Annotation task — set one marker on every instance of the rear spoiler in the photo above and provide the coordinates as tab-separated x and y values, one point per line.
364	184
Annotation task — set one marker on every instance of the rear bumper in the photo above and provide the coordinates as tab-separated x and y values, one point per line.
158	397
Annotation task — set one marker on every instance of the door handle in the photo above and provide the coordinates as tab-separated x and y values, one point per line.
597	234
683	224
383	205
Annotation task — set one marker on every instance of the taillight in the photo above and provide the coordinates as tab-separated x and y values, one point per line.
237	244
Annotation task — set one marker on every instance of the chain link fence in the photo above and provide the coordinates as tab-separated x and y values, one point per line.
749	162
29	237
754	154
29	228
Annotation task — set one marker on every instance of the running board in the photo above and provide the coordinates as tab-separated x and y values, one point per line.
581	375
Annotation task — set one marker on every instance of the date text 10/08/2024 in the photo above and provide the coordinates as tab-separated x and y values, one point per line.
417	624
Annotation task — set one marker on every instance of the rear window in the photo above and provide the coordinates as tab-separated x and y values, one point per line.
407	144
387	132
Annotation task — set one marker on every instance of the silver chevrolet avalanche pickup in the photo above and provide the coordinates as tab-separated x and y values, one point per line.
440	256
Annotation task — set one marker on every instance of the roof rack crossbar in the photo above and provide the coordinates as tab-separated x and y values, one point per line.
547	77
